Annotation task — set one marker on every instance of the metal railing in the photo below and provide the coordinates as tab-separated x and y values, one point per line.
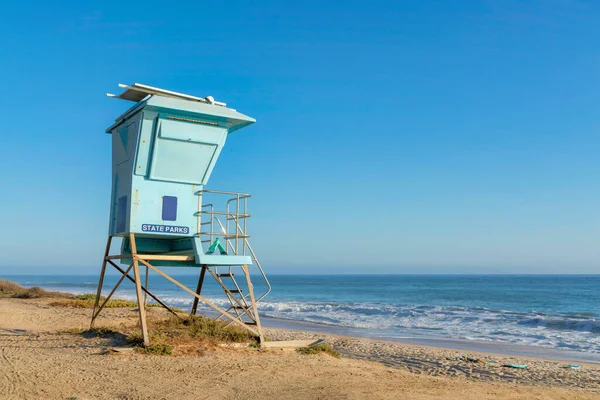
230	224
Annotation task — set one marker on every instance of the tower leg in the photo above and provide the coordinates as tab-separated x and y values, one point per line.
198	289
146	286
101	281
138	290
261	338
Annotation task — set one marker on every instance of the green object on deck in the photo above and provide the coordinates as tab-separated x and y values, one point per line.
217	244
571	366
517	366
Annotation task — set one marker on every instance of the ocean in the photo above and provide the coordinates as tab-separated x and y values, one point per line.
558	312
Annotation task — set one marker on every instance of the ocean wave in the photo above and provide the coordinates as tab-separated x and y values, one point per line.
468	323
565	324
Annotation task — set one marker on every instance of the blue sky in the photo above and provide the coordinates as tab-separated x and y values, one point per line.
421	136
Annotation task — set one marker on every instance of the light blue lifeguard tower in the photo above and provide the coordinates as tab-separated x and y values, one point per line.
164	149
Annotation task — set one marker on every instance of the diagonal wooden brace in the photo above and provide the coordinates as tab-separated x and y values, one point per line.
149	293
96	313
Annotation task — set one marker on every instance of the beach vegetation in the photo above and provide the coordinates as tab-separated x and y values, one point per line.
10	289
96	331
103	331
89	303
72	331
159	349
88	300
200	327
177	310
14	290
135	338
190	335
319	349
85	296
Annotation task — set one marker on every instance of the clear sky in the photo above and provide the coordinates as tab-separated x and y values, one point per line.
391	136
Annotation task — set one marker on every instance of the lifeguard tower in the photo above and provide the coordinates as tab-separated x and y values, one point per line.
164	149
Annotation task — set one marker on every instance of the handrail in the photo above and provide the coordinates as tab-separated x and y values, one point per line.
234	232
240	215
242	195
262	272
260	269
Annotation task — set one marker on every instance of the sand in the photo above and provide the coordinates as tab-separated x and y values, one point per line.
39	362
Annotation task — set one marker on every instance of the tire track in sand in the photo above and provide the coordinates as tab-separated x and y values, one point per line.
12	381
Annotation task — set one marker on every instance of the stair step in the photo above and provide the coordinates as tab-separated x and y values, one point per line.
234	291
231	275
250	323
240	307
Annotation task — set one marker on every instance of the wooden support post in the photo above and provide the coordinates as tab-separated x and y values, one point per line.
101	281
198	289
261	338
138	290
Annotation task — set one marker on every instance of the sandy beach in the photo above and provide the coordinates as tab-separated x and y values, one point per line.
42	358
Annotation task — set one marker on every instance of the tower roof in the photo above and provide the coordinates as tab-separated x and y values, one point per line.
138	92
149	97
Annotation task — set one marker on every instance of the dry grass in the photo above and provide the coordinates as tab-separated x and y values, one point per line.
318	349
98	331
191	335
88	300
158	349
199	327
13	290
89	303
